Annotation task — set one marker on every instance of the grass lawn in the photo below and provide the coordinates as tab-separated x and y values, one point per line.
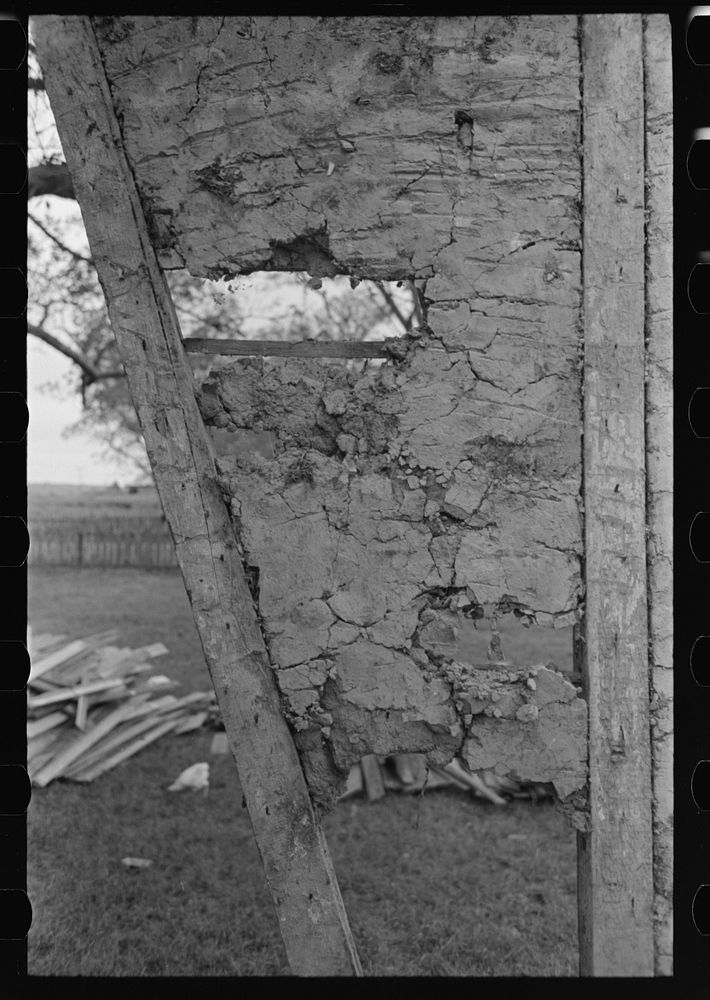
434	886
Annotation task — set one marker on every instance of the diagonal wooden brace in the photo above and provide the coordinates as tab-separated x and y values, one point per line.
293	850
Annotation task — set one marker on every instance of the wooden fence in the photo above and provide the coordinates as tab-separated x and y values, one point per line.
140	541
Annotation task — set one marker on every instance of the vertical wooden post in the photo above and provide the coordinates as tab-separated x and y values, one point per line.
615	872
658	107
295	856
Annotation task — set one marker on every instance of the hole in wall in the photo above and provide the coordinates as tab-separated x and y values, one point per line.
293	306
242	443
521	645
290	306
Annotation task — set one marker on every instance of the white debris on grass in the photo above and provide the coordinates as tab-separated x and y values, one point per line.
195	777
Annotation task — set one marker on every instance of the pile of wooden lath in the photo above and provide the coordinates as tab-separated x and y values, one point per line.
92	705
375	776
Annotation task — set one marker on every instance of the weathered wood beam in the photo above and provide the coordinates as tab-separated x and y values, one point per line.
615	871
292	349
294	853
659	460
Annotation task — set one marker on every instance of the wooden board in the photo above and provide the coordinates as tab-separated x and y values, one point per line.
123	734
286	349
40	744
154	733
55	767
70	693
82	709
42	642
191	722
296	859
372	776
44	664
219	744
658	110
43	725
615	896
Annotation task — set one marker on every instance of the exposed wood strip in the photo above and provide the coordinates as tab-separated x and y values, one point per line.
56	766
46	663
296	859
115	694
290	349
410	768
124	734
659	460
36	763
41	643
167	703
88	774
82	709
219	744
69	693
38	726
191	722
615	858
354	782
454	770
372	776
40	744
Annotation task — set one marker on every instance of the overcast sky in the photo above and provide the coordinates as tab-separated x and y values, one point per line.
52	458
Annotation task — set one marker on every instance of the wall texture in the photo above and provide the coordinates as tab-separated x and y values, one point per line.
447	481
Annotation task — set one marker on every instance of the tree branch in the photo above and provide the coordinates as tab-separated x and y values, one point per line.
218	324
55	239
89	374
418	311
50	178
98	376
406	323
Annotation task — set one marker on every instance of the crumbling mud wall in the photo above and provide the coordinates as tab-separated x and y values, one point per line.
393	504
448	481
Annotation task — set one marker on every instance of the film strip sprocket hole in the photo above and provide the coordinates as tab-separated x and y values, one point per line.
697	35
